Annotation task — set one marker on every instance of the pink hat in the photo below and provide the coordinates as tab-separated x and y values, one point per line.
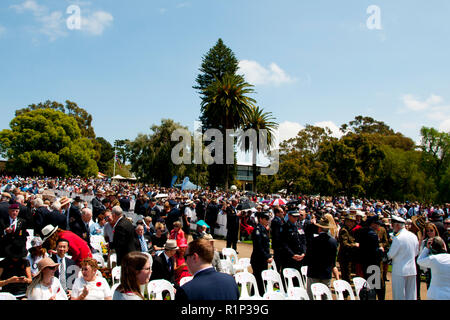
182	243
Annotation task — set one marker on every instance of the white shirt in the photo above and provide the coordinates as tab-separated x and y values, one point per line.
440	274
98	289
41	292
403	251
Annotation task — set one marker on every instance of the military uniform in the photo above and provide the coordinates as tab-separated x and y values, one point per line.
347	245
275	229
260	254
293	242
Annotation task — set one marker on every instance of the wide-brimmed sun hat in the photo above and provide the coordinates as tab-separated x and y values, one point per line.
171	245
47	231
44	263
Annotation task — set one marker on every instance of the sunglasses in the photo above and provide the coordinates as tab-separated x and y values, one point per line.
52	268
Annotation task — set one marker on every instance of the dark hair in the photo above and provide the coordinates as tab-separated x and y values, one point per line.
438	246
62	240
203	248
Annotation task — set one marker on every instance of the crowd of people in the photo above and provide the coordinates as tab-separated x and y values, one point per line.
336	237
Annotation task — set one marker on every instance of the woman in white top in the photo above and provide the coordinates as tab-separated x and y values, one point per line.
45	286
136	269
90	286
36	254
435	257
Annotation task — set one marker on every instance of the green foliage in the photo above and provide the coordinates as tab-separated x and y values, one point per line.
45	141
106	152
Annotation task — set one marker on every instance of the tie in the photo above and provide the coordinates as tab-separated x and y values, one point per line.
13	226
143	244
169	262
62	274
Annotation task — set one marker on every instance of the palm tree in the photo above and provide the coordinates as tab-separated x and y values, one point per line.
264	126
226	105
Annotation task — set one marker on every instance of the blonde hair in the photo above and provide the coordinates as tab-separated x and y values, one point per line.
333	226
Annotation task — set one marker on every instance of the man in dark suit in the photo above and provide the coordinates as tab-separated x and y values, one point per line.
76	224
293	242
212	211
67	270
261	256
232	224
275	231
13	229
207	284
25	211
321	256
124	201
173	215
97	205
163	264
124	234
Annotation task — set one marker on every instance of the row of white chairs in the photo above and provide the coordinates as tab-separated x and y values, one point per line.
270	277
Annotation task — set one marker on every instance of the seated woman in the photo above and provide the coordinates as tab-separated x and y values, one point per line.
159	238
36	254
90	286
135	271
15	271
180	267
45	286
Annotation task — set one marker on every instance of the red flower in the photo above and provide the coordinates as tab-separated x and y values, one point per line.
99	284
59	289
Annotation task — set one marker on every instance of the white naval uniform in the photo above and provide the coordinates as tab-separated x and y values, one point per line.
403	251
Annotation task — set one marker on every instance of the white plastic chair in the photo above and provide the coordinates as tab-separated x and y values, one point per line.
157	287
245	278
318	289
100	259
358	283
7	296
304	272
242	265
115	274
185	280
297	293
340	286
273	265
227	267
112	260
271	277
274	296
231	255
289	274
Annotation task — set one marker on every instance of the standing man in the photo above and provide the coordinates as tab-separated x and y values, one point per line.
123	230
275	230
232	224
13	229
207	283
97	205
293	242
261	256
189	211
67	270
403	251
347	246
212	211
321	256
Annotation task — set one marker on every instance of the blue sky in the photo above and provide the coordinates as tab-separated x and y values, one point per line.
134	62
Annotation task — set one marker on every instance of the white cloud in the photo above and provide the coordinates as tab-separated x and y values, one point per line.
2	31
256	74
335	132
432	108
287	130
96	22
53	23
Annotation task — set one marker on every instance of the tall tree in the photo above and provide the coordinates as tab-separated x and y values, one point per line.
227	105
219	61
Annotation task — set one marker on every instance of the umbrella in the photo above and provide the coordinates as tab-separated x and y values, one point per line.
246	205
278	202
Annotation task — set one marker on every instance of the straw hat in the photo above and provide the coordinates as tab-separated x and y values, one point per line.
44	263
323	223
171	245
47	231
419	222
64	201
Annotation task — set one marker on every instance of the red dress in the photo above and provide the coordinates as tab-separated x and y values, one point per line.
78	248
177	235
182	272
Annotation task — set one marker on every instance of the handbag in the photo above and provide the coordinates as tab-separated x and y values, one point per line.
367	293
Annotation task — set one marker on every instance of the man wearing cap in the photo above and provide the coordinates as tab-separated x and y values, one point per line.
233	216
163	264
403	251
173	215
261	256
293	242
371	255
347	246
321	256
13	230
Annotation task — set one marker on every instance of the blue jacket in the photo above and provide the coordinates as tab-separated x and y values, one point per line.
209	284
